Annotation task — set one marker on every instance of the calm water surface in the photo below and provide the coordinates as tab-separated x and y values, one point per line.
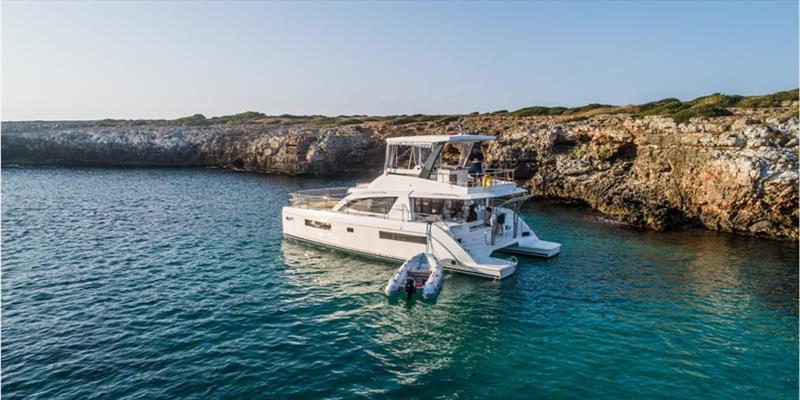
176	283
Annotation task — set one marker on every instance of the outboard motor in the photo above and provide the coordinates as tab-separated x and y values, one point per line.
411	287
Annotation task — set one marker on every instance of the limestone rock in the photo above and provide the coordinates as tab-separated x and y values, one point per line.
735	174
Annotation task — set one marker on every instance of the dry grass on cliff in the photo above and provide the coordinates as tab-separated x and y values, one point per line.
715	105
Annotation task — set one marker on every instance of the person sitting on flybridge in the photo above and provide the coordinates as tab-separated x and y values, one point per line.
476	161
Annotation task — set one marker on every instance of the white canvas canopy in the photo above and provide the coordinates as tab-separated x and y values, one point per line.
429	140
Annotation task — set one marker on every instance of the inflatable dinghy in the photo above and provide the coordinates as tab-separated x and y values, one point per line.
421	272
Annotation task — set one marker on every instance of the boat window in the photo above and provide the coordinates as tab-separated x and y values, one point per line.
376	205
318	224
406	157
451	210
402	237
428	206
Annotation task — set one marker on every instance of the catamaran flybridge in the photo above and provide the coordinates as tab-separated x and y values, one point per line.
426	198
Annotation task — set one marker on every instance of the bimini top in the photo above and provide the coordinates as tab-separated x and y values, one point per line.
431	139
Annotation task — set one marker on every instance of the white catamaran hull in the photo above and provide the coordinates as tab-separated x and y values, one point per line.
459	212
397	240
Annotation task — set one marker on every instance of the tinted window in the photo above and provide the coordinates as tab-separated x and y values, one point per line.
446	208
318	224
402	237
428	206
377	205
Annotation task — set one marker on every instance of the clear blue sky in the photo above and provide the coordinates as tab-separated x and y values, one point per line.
90	60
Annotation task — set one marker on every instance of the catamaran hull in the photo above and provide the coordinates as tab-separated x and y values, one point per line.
381	238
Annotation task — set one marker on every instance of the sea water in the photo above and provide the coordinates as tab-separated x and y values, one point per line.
160	283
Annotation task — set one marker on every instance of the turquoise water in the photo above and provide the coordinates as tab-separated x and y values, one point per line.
176	283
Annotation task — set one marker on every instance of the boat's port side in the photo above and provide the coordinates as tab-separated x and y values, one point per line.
382	238
354	233
340	249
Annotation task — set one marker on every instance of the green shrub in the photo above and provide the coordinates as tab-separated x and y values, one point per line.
770	100
539	110
337	121
449	118
531	111
703	110
660	107
290	116
718	100
197	119
588	107
241	118
410	119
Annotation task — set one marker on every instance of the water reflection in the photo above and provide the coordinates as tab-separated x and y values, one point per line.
409	339
615	259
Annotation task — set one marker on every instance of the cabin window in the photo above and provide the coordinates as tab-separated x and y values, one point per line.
451	210
428	206
349	229
318	224
375	205
402	237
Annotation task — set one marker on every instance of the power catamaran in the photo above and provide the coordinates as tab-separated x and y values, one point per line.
430	195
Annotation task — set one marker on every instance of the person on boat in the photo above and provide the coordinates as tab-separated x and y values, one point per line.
498	226
476	162
455	213
487	216
471	214
451	211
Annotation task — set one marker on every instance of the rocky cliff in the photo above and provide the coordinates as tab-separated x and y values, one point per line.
736	173
290	150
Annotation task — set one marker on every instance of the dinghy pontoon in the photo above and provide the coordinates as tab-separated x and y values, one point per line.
422	272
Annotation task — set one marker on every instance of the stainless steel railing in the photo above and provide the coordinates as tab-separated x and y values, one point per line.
487	178
495	176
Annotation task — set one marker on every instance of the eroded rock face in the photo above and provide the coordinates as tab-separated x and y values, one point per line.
726	174
735	174
290	150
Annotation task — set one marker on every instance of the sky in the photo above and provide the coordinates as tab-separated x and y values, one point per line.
142	60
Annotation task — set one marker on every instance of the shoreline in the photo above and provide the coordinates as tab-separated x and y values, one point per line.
735	173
